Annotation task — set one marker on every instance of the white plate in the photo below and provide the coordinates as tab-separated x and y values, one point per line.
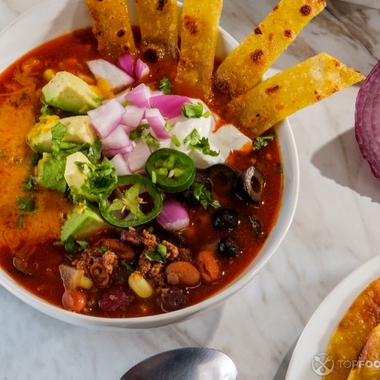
315	337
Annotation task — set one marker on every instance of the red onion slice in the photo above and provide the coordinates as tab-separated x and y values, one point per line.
173	216
139	96
367	120
133	116
120	165
137	158
106	70
170	106
141	69
157	123
106	118
118	139
125	62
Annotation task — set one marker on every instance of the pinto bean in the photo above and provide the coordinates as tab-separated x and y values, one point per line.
208	266
74	300
183	273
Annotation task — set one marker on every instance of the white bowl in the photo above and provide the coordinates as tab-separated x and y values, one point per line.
56	17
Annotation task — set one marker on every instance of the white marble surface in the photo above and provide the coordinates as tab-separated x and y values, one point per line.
334	231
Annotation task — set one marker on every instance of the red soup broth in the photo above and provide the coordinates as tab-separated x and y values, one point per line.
29	244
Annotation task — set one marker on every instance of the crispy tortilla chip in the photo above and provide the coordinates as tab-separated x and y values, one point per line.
113	27
367	364
159	29
199	33
289	91
351	334
245	66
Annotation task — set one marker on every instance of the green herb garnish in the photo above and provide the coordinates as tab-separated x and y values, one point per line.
262	141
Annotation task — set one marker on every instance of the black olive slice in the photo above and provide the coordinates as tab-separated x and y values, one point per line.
249	185
223	177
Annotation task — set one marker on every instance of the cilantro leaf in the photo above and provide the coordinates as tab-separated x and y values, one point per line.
204	196
194	111
165	86
138	131
261	141
27	204
29	183
200	143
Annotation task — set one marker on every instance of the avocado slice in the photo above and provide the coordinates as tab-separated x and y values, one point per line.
84	220
70	93
78	130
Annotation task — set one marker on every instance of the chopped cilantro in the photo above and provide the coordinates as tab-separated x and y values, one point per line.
29	183
128	266
35	158
46	110
159	255
165	86
194	111
20	221
150	140
203	195
201	143
262	141
138	131
2	154
26	204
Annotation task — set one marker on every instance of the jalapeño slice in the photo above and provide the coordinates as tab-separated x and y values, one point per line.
171	170
127	210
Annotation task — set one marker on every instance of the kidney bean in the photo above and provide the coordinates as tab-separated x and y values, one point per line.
208	266
184	272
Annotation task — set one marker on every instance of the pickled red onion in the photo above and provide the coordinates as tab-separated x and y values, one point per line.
367	120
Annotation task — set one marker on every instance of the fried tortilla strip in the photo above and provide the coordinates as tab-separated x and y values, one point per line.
113	27
367	364
245	65
159	29
353	330
199	34
289	91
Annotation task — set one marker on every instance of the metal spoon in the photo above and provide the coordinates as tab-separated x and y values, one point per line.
191	363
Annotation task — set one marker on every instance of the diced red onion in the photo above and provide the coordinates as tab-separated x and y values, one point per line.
139	96
137	158
116	77
367	120
133	116
125	62
106	118
120	165
157	123
141	69
170	106
113	152
173	216
116	140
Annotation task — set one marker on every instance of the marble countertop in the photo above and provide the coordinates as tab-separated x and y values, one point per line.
334	231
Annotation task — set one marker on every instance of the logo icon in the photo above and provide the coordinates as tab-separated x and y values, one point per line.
322	364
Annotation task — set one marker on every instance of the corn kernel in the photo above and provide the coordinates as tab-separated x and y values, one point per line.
85	283
140	285
48	74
